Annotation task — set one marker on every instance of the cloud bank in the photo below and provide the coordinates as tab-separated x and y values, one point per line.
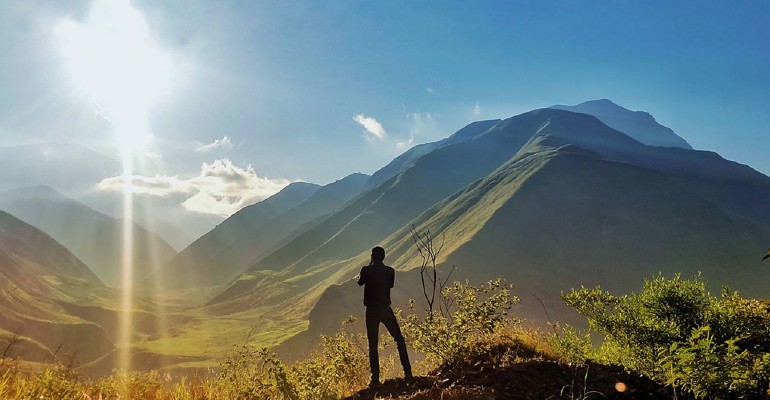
222	187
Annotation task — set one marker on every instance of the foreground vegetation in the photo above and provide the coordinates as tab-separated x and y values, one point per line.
672	339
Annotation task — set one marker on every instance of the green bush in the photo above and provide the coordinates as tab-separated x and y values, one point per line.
572	345
339	365
677	333
253	373
475	311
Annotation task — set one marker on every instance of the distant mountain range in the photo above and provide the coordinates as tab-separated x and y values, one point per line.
232	246
95	238
75	170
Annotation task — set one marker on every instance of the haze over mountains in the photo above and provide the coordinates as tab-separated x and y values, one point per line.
550	199
95	238
75	171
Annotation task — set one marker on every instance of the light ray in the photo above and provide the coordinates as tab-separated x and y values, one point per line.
114	61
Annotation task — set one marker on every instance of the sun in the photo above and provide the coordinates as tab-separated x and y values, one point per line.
114	61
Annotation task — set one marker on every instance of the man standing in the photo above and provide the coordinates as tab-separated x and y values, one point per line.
377	279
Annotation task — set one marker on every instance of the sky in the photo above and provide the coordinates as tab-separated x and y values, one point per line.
232	100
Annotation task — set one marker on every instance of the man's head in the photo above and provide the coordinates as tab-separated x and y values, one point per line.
378	254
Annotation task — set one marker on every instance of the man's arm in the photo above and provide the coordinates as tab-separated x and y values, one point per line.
392	277
361	280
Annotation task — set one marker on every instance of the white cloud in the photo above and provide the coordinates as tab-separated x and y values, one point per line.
224	143
372	126
222	187
476	110
429	89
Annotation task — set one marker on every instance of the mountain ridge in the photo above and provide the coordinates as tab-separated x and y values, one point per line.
640	125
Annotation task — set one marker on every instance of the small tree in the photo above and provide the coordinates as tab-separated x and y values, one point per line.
457	314
433	283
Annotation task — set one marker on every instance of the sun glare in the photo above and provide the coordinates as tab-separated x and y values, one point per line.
114	61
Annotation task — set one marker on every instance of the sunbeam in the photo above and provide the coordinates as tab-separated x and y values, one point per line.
114	61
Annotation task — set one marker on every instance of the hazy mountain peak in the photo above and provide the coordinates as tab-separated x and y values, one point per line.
640	125
38	192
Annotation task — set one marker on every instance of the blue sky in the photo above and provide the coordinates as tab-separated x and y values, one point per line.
289	83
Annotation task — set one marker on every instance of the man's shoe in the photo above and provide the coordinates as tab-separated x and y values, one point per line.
374	384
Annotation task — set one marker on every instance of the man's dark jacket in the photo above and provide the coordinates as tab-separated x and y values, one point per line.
379	279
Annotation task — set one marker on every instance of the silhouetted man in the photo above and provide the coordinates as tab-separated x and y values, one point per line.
378	279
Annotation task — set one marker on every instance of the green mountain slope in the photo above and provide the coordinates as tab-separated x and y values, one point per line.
95	238
208	261
379	212
576	202
559	219
36	276
251	243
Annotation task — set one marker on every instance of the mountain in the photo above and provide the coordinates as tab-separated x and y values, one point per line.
75	170
550	200
225	250
23	240
639	125
408	158
377	213
93	237
38	275
163	215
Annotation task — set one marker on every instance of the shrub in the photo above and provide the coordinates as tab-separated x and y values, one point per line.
474	311
253	373
677	333
572	346
334	369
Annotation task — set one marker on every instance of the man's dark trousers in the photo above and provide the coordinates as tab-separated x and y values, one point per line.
384	314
